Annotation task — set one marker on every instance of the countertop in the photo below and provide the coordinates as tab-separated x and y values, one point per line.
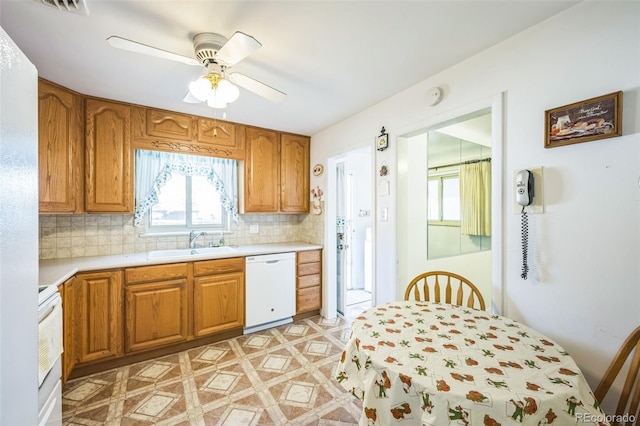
57	271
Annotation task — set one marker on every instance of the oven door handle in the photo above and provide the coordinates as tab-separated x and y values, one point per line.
47	313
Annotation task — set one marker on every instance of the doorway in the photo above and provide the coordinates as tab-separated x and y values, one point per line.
354	232
433	231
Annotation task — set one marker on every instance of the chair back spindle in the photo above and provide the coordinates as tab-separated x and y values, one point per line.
430	287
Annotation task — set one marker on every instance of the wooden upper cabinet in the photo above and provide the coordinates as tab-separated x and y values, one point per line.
109	166
60	149
170	125
170	131
217	132
294	173
261	171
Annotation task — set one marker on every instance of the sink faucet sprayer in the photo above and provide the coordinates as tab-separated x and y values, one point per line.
193	236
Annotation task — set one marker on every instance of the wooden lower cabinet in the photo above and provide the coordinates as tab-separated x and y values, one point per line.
156	306
308	281
218	299
156	314
99	325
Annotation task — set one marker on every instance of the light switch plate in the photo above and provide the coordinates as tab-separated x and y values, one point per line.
254	229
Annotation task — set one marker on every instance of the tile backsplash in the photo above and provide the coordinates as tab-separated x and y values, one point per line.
63	236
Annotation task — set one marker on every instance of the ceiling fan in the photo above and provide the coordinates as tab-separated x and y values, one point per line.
217	55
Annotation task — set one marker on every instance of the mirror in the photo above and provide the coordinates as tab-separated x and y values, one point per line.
459	186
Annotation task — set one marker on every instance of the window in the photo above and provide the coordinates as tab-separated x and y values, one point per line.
188	202
177	192
444	199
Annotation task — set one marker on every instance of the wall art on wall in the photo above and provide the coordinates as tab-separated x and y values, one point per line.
589	120
382	140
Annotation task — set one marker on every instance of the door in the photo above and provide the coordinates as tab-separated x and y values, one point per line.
353	221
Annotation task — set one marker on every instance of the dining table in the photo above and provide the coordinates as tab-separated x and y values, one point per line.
424	363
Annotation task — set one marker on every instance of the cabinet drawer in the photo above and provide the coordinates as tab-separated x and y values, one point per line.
309	256
155	273
308	299
309	268
309	281
208	267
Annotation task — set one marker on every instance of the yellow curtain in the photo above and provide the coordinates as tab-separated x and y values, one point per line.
475	198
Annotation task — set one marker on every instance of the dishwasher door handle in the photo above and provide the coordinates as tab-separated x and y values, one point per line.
272	261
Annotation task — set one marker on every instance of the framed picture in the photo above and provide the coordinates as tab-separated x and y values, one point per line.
596	118
382	141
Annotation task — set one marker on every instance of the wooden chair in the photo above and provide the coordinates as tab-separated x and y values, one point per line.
630	397
428	287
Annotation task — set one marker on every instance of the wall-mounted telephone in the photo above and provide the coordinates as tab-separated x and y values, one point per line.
524	188
525	191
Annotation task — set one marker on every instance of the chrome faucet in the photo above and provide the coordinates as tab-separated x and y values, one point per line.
193	236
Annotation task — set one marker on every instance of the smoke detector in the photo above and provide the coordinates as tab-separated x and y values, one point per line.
75	6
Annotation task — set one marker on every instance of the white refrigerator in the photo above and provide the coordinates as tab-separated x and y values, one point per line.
18	236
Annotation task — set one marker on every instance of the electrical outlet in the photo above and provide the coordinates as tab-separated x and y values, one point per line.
254	229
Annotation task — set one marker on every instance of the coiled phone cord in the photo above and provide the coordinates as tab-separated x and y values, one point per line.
525	243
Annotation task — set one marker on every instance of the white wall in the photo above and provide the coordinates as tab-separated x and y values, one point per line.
18	237
584	285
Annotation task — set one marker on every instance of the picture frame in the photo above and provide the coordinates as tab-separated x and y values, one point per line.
588	120
382	140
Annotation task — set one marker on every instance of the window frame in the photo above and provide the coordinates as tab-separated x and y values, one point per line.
454	174
160	229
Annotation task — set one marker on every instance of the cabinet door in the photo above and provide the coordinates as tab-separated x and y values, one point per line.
170	125
218	303
261	171
109	185
99	315
156	314
224	139
60	150
294	173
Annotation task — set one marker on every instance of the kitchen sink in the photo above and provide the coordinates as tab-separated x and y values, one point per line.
163	254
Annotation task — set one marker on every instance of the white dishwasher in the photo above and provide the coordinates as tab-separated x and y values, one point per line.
270	290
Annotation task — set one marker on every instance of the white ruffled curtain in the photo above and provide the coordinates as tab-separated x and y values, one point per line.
475	198
154	169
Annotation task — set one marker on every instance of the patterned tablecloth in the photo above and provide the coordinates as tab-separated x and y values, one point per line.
420	363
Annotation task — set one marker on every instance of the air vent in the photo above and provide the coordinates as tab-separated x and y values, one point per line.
75	6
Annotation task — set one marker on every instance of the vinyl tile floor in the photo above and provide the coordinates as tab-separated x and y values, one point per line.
280	376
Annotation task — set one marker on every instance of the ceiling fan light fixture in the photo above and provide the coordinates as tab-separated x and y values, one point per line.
214	89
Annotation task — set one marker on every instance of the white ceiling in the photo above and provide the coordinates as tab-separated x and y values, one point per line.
333	59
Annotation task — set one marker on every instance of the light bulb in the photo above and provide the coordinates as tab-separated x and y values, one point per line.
227	91
215	101
201	89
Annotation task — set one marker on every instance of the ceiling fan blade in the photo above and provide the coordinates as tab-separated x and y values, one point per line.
238	47
133	46
257	87
190	99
